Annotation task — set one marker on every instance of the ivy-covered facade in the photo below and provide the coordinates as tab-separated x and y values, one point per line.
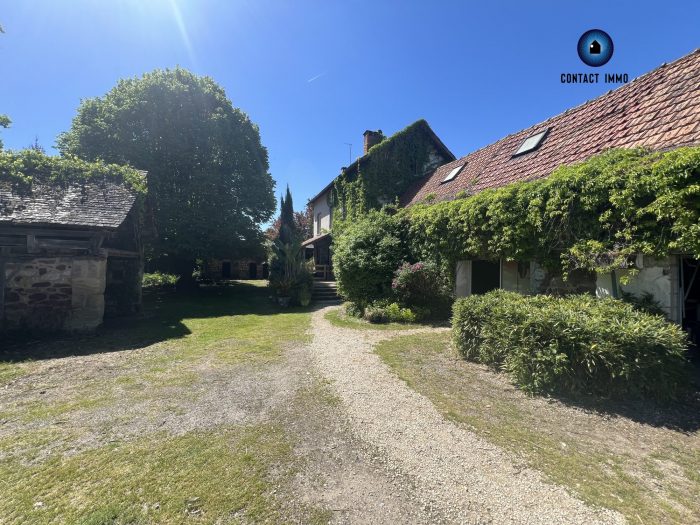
602	199
620	216
387	168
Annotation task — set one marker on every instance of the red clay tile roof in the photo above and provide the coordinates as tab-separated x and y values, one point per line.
659	110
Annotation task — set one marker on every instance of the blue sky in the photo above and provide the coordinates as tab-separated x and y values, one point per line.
315	74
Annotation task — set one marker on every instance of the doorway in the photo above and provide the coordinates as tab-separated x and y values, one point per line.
252	271
690	299
226	270
486	276
266	271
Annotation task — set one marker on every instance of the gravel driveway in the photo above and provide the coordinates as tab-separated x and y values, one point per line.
454	472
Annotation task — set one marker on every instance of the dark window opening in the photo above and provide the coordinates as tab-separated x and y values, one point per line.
486	276
226	270
252	271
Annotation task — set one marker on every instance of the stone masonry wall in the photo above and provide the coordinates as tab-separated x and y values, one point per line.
54	293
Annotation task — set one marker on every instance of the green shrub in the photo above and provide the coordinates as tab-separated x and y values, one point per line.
381	312
645	302
365	255
576	344
353	310
160	280
423	288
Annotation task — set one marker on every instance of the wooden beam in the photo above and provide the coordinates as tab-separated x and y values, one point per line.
115	252
49	232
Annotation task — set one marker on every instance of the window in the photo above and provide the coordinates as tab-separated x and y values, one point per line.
318	224
452	174
531	143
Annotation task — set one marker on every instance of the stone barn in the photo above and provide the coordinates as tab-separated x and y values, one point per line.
70	254
224	269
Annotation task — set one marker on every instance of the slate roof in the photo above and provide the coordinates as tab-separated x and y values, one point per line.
659	110
99	205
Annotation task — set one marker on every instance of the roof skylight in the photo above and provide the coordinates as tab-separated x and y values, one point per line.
531	143
452	174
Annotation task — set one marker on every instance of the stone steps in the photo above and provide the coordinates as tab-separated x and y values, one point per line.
324	291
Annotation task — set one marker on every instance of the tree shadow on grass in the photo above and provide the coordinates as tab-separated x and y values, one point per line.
682	415
162	320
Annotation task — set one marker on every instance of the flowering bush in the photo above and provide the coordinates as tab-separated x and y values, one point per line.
423	288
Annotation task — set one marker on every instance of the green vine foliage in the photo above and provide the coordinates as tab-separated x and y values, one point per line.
381	176
23	169
594	215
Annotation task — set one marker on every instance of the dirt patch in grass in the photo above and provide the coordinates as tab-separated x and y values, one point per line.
144	426
647	471
207	410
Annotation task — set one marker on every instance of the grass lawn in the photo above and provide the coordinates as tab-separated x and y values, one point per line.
163	419
641	460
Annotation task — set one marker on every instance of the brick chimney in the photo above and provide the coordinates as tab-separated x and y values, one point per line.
372	138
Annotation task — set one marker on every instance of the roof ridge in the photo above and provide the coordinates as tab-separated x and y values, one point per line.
658	109
418	122
583	104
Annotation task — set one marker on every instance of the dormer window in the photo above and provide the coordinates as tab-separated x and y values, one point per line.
453	173
531	143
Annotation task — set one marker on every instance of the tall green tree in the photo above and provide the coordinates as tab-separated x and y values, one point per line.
208	179
288	229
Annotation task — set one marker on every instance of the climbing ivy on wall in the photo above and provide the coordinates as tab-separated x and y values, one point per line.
594	215
383	175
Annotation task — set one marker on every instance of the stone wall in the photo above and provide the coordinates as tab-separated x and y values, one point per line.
53	293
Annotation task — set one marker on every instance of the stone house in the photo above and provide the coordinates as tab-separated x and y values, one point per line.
659	110
70	255
224	269
318	246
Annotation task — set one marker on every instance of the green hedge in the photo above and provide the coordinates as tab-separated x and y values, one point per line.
160	280
576	344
